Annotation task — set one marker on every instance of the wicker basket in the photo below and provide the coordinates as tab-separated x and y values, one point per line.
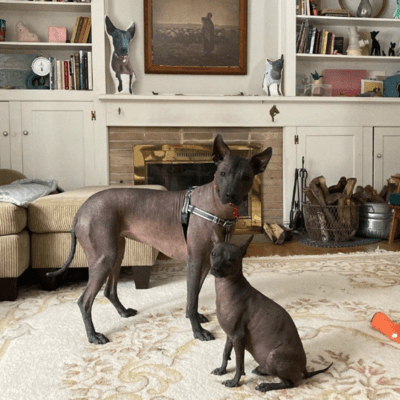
330	223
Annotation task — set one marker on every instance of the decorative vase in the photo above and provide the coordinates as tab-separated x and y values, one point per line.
364	10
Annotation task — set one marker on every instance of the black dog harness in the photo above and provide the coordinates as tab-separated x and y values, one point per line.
188	209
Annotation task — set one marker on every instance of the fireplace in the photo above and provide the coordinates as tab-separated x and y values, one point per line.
124	167
180	166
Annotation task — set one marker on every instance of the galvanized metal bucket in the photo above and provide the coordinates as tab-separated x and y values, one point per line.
375	221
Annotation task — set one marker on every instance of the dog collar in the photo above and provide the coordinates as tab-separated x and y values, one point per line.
189	209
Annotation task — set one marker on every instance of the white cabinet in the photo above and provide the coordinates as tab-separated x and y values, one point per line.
53	140
386	154
5	148
329	151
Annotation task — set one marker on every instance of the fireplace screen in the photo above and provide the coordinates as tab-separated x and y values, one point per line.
178	167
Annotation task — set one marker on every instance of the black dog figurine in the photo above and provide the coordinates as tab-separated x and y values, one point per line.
375	46
255	323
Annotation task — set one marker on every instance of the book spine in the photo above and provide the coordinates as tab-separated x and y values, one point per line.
90	71
78	30
66	75
59	75
73	35
86	33
51	74
81	70
72	72
82	31
332	44
77	72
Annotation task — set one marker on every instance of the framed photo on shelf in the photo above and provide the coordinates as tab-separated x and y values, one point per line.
372	85
195	37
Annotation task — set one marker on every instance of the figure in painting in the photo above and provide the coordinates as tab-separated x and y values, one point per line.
208	34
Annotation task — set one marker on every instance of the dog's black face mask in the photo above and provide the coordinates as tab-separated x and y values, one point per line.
234	176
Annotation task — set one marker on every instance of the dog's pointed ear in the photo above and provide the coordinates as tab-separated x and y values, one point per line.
244	247
215	239
109	26
131	29
260	161
220	150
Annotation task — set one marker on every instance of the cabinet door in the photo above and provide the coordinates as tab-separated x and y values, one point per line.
386	155
5	135
329	151
57	142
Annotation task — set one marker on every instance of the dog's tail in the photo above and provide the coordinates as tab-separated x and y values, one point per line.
70	257
320	371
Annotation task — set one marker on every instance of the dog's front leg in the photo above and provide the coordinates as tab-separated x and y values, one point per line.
238	342
225	358
194	282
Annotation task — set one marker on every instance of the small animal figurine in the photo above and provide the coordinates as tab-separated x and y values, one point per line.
255	323
120	65
396	14
391	49
273	75
355	43
375	46
24	35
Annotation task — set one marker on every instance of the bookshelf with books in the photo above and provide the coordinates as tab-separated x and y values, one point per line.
38	17
321	38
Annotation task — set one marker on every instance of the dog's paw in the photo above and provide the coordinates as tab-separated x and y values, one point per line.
231	383
259	371
129	312
203	335
219	371
97	338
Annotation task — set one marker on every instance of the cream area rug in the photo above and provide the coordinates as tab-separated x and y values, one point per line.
44	353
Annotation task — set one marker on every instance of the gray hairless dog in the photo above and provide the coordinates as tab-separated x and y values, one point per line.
255	323
154	217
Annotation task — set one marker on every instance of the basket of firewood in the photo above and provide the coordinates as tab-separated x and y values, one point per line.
330	215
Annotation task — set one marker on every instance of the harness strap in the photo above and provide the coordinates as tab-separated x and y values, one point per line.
188	209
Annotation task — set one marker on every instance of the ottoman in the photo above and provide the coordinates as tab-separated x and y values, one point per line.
50	220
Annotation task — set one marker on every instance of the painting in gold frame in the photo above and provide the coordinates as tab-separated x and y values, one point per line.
196	36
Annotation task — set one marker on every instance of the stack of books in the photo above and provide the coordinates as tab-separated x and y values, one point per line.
81	31
72	74
334	12
312	40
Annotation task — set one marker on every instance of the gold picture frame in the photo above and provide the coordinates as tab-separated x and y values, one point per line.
371	85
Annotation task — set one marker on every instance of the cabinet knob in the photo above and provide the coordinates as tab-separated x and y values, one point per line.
119	110
379	155
5	133
25	133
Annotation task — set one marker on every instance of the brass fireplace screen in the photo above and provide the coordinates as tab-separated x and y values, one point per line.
178	167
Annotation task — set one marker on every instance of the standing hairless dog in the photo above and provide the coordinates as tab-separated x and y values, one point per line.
155	218
255	323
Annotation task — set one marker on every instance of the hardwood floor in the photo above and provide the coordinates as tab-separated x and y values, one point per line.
260	247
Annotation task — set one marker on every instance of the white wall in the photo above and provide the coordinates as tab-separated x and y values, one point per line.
262	43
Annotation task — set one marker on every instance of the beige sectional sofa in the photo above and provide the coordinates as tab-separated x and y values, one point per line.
46	243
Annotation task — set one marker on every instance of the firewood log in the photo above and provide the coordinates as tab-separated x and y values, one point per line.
268	232
313	200
279	233
317	191
332	198
373	194
339	187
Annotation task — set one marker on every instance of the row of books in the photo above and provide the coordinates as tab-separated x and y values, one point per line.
72	74
312	40
81	31
306	7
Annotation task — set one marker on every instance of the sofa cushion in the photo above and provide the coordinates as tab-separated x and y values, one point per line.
13	219
394	199
55	213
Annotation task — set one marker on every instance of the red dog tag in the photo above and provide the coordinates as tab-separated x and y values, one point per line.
235	212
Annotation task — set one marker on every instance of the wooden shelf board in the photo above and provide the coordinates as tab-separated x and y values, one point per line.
44	6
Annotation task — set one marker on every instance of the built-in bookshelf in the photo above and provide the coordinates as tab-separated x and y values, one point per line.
38	16
335	23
